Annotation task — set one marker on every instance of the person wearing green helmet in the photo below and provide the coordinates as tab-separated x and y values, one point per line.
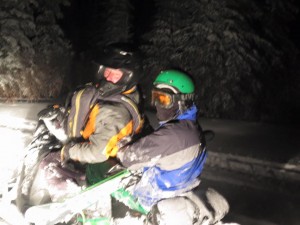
173	94
172	157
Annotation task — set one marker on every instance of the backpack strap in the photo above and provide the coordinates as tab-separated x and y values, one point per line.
84	100
132	107
82	103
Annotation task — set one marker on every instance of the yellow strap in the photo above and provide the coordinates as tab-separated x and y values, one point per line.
91	124
112	147
77	104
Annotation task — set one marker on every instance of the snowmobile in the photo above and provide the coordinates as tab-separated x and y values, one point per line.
31	198
81	204
20	187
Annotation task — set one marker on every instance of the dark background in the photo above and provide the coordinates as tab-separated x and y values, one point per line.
243	55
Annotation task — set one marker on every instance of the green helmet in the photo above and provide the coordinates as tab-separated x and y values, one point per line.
173	86
182	82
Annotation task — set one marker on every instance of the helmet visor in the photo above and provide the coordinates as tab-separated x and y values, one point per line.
110	74
113	80
162	99
114	75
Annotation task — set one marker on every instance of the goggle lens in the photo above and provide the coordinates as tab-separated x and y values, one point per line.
161	98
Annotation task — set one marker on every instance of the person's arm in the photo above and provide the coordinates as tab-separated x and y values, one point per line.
169	147
146	151
111	125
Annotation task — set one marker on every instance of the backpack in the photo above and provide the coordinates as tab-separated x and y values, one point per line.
84	100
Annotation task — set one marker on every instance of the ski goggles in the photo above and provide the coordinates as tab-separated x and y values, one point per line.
166	99
163	99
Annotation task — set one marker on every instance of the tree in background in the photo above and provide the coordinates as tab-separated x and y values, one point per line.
238	52
34	55
92	24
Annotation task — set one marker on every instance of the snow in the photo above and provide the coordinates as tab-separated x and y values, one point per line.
16	127
13	143
18	121
15	132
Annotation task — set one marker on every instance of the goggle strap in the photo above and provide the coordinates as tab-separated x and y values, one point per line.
184	97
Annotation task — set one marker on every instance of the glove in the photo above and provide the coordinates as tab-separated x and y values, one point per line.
65	153
48	113
120	154
54	119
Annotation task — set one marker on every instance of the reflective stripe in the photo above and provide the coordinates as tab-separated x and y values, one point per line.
91	124
77	106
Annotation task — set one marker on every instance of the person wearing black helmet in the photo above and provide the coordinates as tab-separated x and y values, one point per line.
119	68
114	116
100	118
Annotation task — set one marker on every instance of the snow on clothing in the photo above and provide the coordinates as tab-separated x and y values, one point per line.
200	206
172	158
109	127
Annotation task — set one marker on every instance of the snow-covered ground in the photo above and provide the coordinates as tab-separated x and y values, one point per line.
17	124
18	121
16	127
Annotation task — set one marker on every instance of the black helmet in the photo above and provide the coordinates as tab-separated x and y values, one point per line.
123	58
